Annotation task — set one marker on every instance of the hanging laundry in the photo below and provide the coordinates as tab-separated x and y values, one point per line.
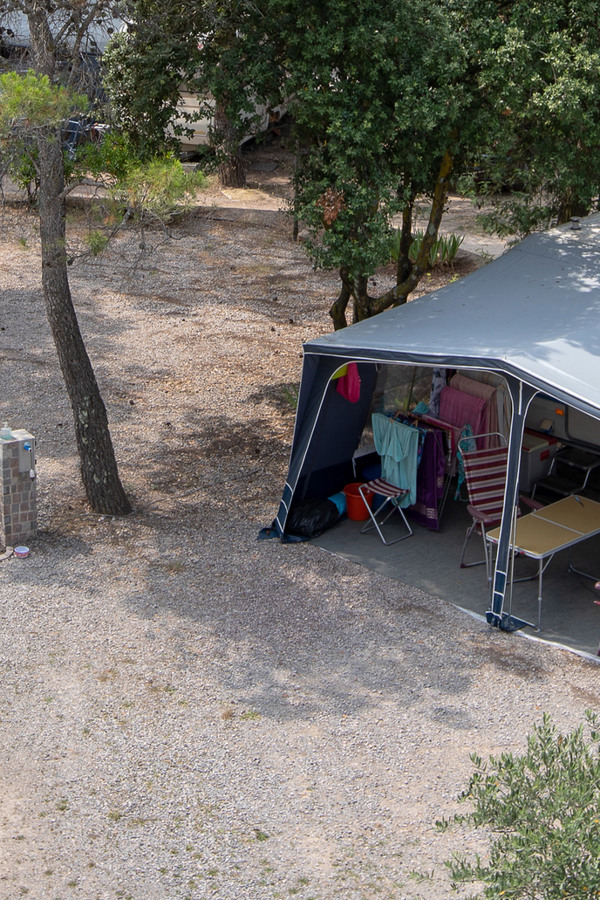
431	471
485	392
438	382
398	445
430	481
348	385
458	409
421	409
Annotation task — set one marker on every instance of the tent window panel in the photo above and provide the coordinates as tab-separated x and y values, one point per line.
564	422
400	388
397	389
582	427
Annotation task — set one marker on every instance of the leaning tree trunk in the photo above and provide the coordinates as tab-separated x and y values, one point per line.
411	273
97	459
338	309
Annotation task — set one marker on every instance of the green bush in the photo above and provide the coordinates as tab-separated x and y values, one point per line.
542	810
157	189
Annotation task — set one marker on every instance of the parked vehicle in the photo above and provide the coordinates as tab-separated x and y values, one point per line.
192	116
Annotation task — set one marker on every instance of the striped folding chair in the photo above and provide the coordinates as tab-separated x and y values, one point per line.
392	495
485	478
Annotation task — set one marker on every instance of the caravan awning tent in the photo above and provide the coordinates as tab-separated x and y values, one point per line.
532	316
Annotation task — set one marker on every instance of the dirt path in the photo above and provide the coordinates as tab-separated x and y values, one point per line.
269	173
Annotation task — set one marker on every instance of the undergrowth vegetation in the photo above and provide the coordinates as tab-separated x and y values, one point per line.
443	250
541	810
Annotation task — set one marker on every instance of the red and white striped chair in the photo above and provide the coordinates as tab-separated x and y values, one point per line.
393	495
485	478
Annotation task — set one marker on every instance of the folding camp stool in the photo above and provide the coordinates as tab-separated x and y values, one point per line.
392	496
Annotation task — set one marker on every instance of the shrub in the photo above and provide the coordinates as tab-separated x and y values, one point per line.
543	812
157	189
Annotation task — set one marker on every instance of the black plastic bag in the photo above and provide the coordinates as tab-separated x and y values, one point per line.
310	518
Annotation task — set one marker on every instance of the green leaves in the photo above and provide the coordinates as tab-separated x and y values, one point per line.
378	90
29	102
377	102
143	71
542	810
541	77
157	189
442	252
386	95
30	105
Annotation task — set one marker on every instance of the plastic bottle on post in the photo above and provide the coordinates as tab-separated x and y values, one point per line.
5	432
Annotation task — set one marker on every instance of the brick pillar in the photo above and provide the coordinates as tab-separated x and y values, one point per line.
18	511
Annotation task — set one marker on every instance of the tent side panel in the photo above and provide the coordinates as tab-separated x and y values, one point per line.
316	372
327	466
327	431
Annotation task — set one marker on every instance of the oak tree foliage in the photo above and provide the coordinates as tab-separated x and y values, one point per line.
540	161
393	103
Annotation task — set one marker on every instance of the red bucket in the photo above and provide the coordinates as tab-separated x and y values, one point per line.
355	507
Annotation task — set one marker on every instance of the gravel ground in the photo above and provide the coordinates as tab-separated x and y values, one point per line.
187	712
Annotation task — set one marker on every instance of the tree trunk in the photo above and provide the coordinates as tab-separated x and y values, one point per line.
413	272
231	162
438	205
97	459
404	267
362	301
97	462
570	207
338	308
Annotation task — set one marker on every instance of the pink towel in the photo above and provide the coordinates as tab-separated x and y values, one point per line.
349	384
486	392
460	409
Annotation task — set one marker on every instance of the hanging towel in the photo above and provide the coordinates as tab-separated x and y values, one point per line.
348	385
460	409
430	482
397	445
486	392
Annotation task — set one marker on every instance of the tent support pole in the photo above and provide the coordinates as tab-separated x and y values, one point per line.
521	395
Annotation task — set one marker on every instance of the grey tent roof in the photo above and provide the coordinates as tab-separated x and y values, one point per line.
533	312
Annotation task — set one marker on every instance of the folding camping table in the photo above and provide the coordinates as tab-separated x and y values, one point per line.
559	526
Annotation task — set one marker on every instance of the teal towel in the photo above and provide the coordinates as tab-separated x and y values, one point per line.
397	444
